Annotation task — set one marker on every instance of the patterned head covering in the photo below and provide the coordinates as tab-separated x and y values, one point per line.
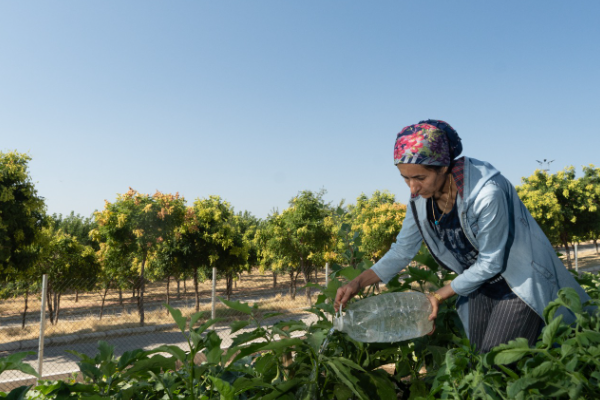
424	144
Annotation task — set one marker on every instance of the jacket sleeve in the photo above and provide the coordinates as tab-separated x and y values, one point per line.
492	218
402	251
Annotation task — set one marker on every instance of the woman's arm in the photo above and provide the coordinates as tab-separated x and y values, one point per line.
401	252
491	210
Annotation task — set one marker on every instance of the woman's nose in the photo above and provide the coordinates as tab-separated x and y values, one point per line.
413	187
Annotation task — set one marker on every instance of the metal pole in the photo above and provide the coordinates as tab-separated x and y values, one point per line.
326	274
213	313
576	266
42	325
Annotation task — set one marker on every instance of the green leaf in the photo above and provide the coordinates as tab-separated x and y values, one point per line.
592	336
566	350
156	362
242	384
14	362
571	299
349	273
90	371
237	325
385	387
316	340
195	317
418	389
550	330
342	392
130	357
438	353
238	306
572	364
246	337
332	288
542	370
225	389
207	325
346	377
106	352
281	389
180	320
350	363
175	351
520	385
19	393
512	352
509	372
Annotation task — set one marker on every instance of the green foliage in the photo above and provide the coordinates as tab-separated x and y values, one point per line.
378	220
135	226
566	208
296	241
21	215
290	360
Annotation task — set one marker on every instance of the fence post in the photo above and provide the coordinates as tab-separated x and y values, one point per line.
576	266
213	313
42	325
326	274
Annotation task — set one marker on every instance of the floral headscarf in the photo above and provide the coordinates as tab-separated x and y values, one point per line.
422	144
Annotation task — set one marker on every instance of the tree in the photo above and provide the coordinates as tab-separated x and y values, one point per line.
77	226
69	265
21	215
379	219
558	203
591	187
272	255
299	236
135	224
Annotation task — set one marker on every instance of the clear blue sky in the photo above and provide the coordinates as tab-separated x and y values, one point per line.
257	100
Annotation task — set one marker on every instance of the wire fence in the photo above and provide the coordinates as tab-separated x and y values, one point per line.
78	314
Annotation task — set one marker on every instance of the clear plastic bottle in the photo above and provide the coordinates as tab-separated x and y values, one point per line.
386	318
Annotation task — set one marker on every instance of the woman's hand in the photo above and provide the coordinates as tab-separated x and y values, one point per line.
436	298
435	306
350	290
345	293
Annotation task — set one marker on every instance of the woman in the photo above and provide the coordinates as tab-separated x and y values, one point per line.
473	223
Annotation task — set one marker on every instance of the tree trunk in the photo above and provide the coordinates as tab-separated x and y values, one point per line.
178	287
596	245
228	285
306	275
56	307
184	287
292	286
168	294
141	289
120	296
104	299
50	305
196	291
566	245
274	280
76	296
25	308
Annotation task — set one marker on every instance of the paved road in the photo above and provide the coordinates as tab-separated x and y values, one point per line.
58	362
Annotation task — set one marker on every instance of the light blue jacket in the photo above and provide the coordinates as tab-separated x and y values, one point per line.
500	227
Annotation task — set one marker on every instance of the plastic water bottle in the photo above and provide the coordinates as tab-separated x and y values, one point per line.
386	318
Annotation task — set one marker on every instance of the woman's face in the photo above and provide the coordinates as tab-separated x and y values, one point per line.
422	181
